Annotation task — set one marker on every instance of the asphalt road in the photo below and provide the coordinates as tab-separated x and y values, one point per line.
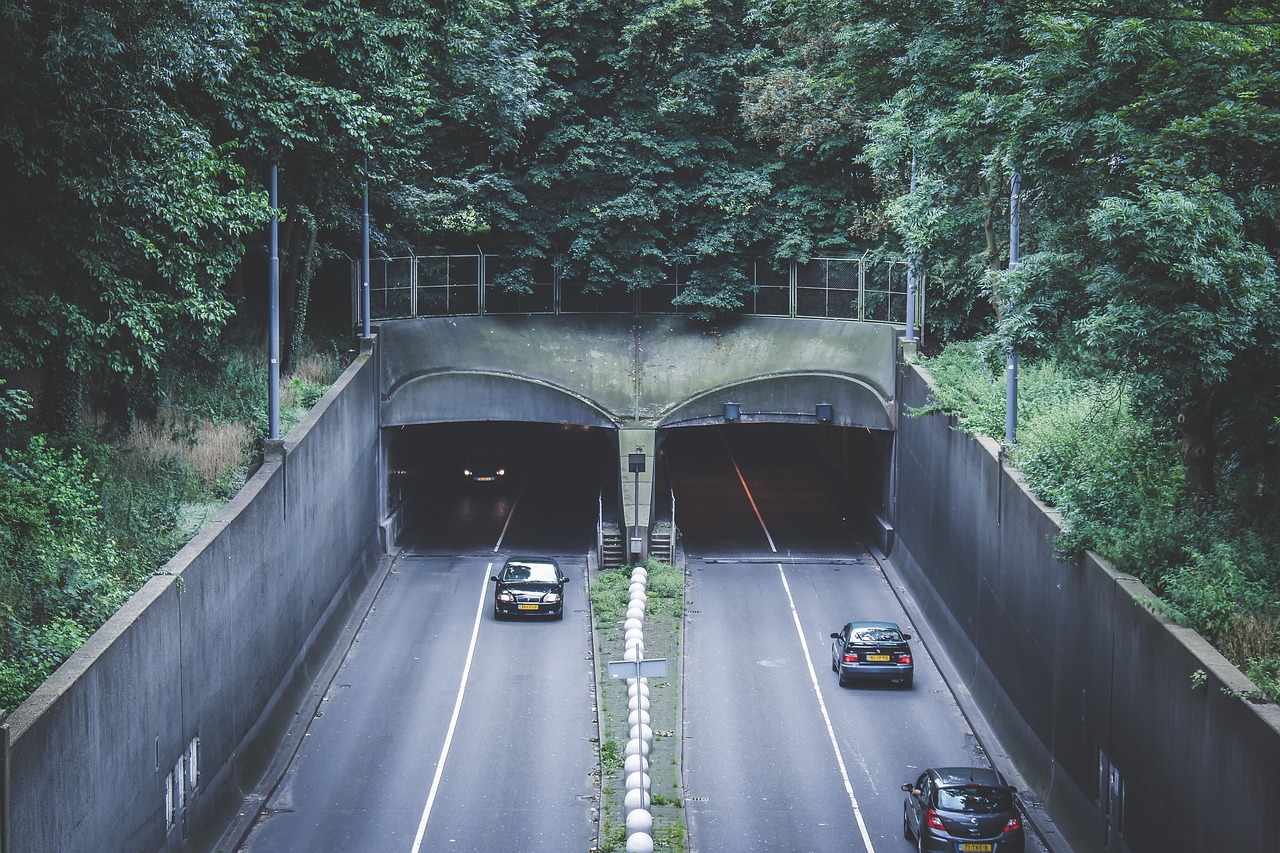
778	756
444	730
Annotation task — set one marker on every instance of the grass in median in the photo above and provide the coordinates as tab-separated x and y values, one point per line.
610	594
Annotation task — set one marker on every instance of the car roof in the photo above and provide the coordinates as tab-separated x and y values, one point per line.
893	625
530	561
955	776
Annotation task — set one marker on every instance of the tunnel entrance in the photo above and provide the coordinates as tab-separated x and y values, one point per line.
813	475
457	486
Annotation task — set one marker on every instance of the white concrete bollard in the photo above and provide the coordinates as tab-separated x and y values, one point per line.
636	799
640	820
637	747
635	764
638	718
639	842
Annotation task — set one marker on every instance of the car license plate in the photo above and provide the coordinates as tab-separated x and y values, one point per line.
975	848
886	657
528	607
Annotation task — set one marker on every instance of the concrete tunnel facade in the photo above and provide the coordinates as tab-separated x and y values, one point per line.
634	374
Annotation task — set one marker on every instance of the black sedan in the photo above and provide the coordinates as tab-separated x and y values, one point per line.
872	650
529	586
962	810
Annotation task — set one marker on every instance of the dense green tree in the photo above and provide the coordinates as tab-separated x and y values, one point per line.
1144	135
125	215
640	161
413	97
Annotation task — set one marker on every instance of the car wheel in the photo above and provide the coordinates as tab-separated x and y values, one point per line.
497	614
908	681
906	826
559	614
844	682
834	666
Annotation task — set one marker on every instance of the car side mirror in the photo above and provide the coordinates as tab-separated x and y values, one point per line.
907	788
906	636
493	578
564	580
836	635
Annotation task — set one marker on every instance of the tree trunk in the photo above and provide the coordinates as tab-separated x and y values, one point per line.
288	283
61	392
1196	416
302	298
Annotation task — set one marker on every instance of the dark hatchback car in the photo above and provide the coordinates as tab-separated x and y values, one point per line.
529	586
962	810
872	650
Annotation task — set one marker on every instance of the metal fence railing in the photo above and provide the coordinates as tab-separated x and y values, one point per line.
864	288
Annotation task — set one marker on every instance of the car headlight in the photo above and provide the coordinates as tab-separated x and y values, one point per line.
506	597
552	598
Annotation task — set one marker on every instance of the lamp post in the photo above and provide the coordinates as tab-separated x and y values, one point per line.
635	464
1011	367
364	265
911	273
273	319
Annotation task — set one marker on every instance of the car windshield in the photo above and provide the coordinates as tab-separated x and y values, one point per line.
975	799
875	635
540	572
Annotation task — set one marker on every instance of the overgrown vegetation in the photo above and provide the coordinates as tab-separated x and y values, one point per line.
87	517
1087	450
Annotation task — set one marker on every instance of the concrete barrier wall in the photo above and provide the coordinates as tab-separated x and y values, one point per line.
148	737
1085	686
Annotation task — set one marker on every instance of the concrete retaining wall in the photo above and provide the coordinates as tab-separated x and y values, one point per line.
1086	687
148	737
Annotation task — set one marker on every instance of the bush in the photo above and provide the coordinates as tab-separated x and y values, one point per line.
83	524
1118	483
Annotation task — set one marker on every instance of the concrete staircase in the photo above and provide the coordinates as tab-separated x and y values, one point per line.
660	541
613	551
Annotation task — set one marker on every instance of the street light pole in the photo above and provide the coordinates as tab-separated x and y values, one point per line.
273	319
364	265
911	272
1011	368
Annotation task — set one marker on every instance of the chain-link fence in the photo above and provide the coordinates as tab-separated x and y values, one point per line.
872	290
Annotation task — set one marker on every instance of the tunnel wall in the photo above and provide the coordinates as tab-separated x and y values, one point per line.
1071	667
183	695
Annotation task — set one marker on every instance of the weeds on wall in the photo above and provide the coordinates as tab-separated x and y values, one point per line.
1119	487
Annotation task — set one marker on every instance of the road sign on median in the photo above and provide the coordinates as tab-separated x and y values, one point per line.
653	668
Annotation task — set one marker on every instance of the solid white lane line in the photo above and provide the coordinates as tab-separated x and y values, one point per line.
822	706
457	711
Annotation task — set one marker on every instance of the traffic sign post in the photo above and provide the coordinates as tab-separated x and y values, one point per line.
652	668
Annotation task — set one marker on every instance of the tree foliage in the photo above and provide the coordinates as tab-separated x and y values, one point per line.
1144	136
